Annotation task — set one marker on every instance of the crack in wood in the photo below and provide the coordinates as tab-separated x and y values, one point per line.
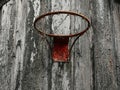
55	31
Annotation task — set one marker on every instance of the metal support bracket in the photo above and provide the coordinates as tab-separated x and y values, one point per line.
60	51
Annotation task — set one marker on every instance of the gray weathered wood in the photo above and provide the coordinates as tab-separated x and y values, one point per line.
104	46
2	2
25	56
116	22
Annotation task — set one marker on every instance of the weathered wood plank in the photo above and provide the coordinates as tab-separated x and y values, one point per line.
60	71
116	18
7	64
81	58
14	25
36	65
104	59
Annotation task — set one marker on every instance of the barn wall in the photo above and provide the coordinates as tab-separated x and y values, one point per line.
25	59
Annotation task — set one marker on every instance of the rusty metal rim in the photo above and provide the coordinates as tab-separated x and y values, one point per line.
62	12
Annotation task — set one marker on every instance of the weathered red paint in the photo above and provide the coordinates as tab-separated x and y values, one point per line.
60	52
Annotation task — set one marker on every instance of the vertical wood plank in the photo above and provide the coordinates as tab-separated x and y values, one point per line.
104	59
36	57
81	58
116	18
7	63
60	71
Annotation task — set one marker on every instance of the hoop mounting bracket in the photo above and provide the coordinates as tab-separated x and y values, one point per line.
60	52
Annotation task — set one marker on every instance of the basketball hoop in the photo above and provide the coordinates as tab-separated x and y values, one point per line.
60	51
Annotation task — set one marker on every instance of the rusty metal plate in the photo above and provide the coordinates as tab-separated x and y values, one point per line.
60	52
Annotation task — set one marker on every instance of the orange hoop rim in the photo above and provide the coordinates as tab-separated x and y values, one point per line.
62	12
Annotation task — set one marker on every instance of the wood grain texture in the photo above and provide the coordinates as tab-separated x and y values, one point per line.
2	2
25	56
116	19
104	54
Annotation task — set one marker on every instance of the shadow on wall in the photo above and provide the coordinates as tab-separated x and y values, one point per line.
117	1
2	2
0	18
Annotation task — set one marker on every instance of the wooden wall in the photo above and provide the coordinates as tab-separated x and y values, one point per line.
25	59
